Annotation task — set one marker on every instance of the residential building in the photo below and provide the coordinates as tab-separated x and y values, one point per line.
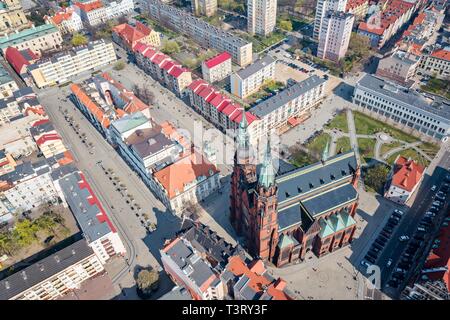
9	109
359	8
118	8
322	7
7	163
426	115
219	109
64	65
12	16
334	35
261	16
162	68
37	39
128	36
399	67
201	32
97	228
247	81
252	281
436	64
177	293
381	27
47	139
403	180
185	182
204	7
189	270
66	20
217	68
53	276
20	60
28	186
284	216
7	84
92	13
289	106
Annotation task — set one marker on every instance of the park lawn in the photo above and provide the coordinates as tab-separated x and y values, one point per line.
317	145
437	86
339	122
386	147
301	159
430	149
367	125
409	153
343	144
366	148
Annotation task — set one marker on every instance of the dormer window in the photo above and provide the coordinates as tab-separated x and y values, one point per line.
287	194
343	172
321	181
299	190
332	177
311	185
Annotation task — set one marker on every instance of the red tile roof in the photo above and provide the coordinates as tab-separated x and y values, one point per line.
220	58
407	173
62	16
257	279
47	137
131	35
16	59
40	122
93	108
87	7
443	54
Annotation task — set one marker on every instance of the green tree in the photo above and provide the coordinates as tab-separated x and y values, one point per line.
78	40
286	25
359	46
147	281
376	177
119	65
170	47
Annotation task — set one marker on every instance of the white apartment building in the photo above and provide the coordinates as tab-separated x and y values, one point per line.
289	104
400	67
66	20
190	270
200	31
261	16
204	7
334	35
54	276
62	66
118	8
92	13
185	182
37	39
247	81
9	108
29	186
321	9
436	64
217	68
407	108
92	219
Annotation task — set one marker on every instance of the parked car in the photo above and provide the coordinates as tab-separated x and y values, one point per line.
421	229
437	204
389	262
403	238
370	259
399	212
434	209
433	188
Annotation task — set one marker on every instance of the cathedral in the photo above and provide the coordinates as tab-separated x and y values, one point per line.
283	216
12	16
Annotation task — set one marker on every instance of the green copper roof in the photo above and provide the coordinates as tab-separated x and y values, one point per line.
347	219
25	35
267	173
130	122
285	241
336	222
326	228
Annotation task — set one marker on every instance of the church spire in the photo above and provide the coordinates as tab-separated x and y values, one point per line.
325	151
243	137
267	173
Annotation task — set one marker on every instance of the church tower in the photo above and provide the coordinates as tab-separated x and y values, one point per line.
243	177
264	237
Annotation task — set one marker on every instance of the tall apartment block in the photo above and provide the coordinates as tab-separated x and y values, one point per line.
261	16
334	35
204	7
321	9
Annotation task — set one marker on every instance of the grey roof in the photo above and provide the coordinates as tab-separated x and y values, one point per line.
315	176
2	153
147	142
410	98
255	67
177	293
62	171
289	216
330	199
5	77
44	269
84	212
23	92
290	93
42	128
21	171
190	262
